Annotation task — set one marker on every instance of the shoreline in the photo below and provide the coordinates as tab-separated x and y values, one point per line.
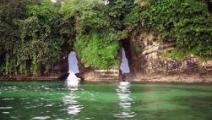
178	78
134	78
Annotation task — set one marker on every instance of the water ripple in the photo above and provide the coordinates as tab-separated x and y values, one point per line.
73	106
5	112
7	99
41	118
125	102
5	108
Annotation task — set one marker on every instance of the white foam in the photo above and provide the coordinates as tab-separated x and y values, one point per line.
72	80
106	2
54	1
124	83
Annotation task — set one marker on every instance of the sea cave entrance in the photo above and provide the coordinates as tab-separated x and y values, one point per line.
125	58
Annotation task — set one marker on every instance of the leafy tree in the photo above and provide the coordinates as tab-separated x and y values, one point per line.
96	41
10	12
34	33
184	22
30	36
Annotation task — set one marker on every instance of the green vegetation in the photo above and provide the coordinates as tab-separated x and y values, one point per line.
98	28
34	32
177	54
185	22
97	50
29	36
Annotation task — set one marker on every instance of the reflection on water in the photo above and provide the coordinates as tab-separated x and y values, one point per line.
73	106
125	101
52	101
41	118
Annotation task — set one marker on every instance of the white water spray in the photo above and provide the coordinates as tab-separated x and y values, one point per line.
54	1
72	80
106	2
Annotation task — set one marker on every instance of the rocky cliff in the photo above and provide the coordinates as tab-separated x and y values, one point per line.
149	62
149	55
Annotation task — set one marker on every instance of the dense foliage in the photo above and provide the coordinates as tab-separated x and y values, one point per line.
185	22
97	50
98	28
29	36
34	32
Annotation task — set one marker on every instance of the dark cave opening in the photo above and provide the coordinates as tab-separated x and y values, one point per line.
126	45
209	2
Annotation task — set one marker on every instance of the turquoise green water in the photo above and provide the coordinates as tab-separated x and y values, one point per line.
53	101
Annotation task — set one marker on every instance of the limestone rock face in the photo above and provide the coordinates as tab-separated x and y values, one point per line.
96	75
147	57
